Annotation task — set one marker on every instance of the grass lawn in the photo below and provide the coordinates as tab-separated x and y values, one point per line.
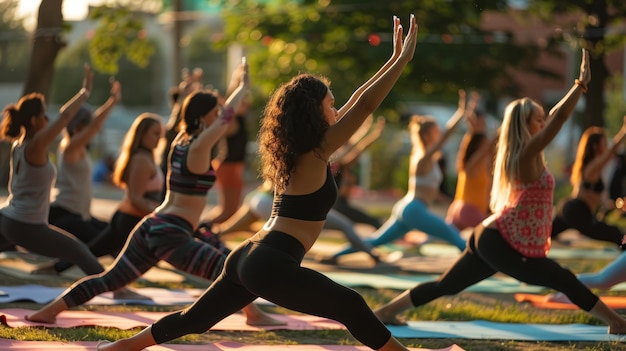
462	307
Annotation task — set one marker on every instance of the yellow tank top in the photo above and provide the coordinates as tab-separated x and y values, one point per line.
475	189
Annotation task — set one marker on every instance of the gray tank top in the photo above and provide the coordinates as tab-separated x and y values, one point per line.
29	189
73	188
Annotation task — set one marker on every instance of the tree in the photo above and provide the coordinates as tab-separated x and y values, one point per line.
47	42
119	34
592	30
14	50
347	40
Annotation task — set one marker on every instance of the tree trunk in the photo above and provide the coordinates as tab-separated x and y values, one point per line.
595	104
47	42
594	37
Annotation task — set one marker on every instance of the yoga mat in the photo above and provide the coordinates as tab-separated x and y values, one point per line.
615	302
22	269
14	317
6	344
504	331
436	249
499	284
159	297
43	294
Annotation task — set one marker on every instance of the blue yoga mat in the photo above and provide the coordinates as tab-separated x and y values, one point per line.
480	329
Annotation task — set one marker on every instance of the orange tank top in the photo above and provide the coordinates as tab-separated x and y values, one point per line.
474	189
526	221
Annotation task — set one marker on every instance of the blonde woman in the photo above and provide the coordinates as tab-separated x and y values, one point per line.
515	240
412	211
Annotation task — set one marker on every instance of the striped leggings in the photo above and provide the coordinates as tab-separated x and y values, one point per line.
157	237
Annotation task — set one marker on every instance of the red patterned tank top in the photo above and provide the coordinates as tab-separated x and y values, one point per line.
525	222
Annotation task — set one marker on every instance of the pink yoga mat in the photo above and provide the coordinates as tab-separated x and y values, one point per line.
6	344
14	317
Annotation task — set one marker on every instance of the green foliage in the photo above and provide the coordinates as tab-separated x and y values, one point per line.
592	27
120	34
349	40
140	87
14	44
202	53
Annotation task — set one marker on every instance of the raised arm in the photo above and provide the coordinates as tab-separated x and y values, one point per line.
598	163
197	161
38	149
365	142
464	109
375	90
560	112
82	138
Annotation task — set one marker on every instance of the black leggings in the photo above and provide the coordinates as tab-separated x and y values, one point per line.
73	223
110	240
576	214
269	267
47	240
354	214
487	253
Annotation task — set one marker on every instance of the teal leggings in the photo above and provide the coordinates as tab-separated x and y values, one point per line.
406	215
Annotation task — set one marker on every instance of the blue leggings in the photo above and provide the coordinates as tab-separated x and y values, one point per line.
612	274
407	215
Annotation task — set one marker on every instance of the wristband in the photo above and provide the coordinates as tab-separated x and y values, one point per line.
581	84
227	115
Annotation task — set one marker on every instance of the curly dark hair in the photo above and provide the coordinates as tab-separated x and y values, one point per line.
292	125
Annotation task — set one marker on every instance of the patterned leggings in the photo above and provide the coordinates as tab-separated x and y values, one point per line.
158	237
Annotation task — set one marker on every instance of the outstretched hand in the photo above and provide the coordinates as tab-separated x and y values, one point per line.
585	70
116	90
406	47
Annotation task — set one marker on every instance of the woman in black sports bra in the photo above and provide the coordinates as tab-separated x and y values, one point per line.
300	130
579	210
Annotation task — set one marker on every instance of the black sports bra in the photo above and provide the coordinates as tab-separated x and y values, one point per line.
596	187
309	207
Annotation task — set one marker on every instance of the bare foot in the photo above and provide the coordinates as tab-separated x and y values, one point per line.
128	294
39	317
390	320
558	297
255	316
263	320
392	257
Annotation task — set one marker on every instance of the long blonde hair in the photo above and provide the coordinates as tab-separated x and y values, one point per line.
514	135
132	144
586	152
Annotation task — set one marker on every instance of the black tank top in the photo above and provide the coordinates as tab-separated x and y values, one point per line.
309	207
237	143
